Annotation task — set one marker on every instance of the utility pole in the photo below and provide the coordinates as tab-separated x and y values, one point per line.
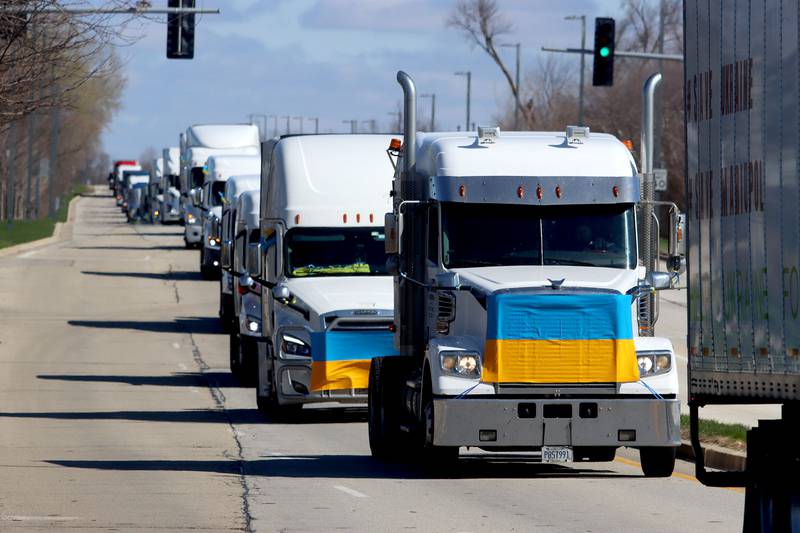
353	125
288	124
300	120
432	96
316	124
468	75
516	82
582	18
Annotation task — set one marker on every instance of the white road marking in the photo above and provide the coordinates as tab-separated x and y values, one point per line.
176	345
350	491
22	518
28	254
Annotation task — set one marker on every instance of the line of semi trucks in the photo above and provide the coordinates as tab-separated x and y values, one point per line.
498	290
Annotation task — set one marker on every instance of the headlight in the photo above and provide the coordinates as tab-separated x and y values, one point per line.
254	324
653	363
294	346
461	363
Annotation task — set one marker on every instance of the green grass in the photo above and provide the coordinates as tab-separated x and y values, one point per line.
713	430
32	230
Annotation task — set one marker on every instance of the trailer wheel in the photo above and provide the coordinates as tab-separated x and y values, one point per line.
384	405
657	461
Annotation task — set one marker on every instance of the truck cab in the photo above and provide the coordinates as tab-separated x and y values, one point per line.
198	143
130	179
234	188
154	193
247	292
326	296
219	170
120	167
170	204
517	280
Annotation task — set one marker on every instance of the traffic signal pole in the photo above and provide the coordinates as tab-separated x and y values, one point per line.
638	55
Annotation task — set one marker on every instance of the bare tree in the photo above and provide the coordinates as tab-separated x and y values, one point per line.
482	24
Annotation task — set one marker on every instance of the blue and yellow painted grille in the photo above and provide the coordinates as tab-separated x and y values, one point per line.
341	359
559	338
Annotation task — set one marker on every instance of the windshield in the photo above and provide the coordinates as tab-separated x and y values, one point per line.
582	235
217	193
335	252
198	176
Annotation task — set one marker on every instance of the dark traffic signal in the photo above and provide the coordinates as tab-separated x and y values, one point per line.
180	31
603	73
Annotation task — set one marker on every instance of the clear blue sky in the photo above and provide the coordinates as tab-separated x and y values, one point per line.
332	59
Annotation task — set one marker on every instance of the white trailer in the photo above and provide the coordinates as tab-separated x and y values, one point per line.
742	75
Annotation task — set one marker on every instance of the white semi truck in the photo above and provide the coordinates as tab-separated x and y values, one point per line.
219	168
154	196
200	142
170	206
326	296
234	188
742	75
517	288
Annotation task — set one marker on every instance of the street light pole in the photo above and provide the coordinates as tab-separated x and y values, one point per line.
353	125
288	124
468	74
432	96
582	18
316	124
516	82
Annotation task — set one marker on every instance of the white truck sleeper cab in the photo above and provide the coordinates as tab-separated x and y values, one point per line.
519	320
219	169
327	300
234	188
198	143
170	204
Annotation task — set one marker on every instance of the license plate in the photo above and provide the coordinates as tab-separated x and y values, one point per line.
556	454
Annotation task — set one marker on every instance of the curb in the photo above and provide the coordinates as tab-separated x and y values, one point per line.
55	237
715	457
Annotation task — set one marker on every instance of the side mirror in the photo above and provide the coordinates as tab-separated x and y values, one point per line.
254	259
448	280
659	280
196	195
225	254
677	242
281	293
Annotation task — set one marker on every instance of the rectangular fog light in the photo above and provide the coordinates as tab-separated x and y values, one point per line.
487	435
626	435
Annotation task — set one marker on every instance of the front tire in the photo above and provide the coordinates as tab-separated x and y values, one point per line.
384	409
657	461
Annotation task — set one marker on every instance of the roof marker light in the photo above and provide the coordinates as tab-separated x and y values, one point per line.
615	191
628	144
371	217
344	218
358	217
462	191
297	219
539	193
558	191
520	192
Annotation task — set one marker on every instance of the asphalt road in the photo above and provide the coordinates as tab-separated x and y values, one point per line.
117	412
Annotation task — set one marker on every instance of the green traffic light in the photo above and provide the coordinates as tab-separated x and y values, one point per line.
605	51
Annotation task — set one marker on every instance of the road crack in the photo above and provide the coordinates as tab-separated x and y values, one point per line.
219	404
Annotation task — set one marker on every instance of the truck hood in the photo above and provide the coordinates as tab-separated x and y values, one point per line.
492	279
325	294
